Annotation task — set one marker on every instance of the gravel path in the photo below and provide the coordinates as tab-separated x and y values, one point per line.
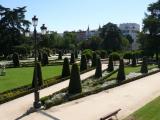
128	97
14	109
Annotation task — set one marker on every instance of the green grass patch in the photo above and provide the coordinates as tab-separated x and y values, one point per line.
16	77
151	111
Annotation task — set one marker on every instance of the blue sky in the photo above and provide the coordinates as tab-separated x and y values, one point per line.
61	15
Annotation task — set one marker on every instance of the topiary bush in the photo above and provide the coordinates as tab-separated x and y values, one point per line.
98	72
115	56
83	63
15	59
65	69
60	55
44	59
39	76
39	56
134	62
76	54
75	81
94	59
101	53
72	60
121	73
128	55
144	68
88	53
110	65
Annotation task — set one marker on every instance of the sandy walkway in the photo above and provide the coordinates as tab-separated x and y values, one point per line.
128	97
14	109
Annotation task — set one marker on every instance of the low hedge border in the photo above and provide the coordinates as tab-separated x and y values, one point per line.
77	96
24	90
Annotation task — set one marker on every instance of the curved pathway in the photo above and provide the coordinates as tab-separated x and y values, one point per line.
15	108
128	97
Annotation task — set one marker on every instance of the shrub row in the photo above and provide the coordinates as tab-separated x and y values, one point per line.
47	104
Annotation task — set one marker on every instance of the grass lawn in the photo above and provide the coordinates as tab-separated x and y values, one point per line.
16	77
132	69
151	111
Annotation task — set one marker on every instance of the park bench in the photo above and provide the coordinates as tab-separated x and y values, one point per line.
109	116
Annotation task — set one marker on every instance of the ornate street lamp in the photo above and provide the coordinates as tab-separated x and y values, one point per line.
36	103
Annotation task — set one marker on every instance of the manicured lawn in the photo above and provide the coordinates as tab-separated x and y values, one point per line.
132	69
151	111
16	77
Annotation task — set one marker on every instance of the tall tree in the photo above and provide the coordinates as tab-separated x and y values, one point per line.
112	37
151	28
12	24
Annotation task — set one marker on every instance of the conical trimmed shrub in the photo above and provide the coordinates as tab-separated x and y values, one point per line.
121	73
98	72
39	57
72	60
76	54
60	55
65	69
83	63
39	76
134	62
94	59
44	59
144	68
110	65
75	81
15	59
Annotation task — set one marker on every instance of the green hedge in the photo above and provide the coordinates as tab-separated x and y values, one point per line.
48	103
24	90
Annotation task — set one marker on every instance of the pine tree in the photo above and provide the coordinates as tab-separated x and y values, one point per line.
83	63
98	72
75	81
121	73
39	76
110	65
65	69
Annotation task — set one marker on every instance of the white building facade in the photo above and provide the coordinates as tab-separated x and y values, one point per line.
131	29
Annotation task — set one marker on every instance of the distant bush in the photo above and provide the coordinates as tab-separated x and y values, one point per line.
98	72
134	62
75	81
94	59
39	76
44	59
76	54
15	59
83	63
39	56
115	56
121	73
110	65
88	53
72	60
144	68
128	55
65	69
102	53
60	55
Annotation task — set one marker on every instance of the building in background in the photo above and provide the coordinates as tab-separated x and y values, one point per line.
131	29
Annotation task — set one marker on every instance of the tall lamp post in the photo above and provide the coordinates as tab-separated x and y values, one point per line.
36	103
